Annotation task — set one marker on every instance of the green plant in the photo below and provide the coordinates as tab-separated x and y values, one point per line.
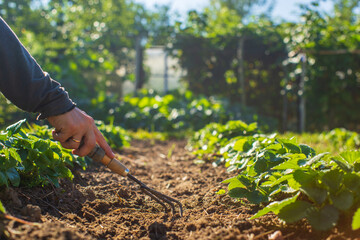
27	159
115	136
291	179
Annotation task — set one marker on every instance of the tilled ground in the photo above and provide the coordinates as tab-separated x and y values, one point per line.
101	205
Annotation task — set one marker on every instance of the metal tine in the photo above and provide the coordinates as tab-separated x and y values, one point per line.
154	197
157	196
167	199
162	197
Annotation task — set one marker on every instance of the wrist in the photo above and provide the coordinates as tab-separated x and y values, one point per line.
42	116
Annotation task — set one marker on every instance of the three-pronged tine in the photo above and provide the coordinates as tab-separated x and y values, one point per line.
158	196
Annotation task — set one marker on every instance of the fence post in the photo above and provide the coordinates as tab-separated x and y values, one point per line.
301	93
241	74
166	76
284	91
138	62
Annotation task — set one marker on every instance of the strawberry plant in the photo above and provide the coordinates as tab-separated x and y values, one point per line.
29	160
115	136
291	179
214	135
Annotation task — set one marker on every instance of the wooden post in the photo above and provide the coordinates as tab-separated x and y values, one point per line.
166	77
241	74
138	63
285	100
301	93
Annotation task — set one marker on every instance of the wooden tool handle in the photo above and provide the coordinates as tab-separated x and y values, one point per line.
98	155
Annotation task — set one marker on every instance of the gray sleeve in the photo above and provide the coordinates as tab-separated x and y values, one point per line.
23	82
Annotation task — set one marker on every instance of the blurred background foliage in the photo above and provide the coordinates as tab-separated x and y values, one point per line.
238	65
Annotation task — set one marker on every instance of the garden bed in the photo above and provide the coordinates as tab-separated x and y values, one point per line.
101	205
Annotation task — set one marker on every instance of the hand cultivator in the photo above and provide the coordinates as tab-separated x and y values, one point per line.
98	154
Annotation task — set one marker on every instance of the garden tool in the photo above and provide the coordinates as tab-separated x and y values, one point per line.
98	154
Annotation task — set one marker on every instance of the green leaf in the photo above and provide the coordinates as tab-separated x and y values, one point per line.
292	147
239	145
13	176
308	151
256	197
14	128
235	183
260	166
248	182
2	208
229	180
333	179
315	193
352	181
221	192
305	177
238	193
351	156
15	154
343	200
281	179
3	136
323	219
356	220
41	145
53	180
294	211
344	165
3	179
315	159
275	206
294	162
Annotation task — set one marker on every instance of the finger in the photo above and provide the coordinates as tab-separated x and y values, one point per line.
89	142
60	136
103	144
72	143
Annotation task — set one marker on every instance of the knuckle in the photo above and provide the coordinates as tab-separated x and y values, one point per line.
90	120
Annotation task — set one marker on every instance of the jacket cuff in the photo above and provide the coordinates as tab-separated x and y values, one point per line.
56	112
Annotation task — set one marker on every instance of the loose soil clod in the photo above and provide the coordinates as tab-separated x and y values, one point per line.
99	204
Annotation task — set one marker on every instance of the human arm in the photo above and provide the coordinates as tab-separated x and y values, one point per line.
23	82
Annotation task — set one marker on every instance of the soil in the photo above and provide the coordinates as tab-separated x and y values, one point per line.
99	204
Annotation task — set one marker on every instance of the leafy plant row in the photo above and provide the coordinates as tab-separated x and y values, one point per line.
29	157
291	179
171	112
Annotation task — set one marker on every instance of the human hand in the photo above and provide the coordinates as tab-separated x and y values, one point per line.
75	127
